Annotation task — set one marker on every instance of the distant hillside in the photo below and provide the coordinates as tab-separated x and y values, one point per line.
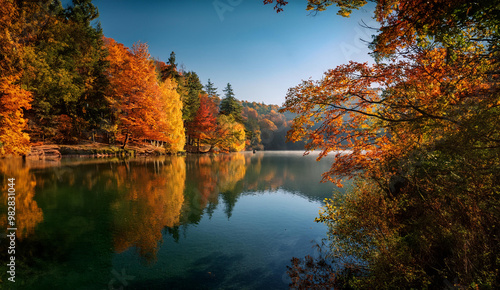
266	127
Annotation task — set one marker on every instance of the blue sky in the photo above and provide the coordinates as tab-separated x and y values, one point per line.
242	42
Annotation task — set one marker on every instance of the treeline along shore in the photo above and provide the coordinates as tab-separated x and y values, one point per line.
65	83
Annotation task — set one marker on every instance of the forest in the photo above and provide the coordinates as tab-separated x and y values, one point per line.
62	81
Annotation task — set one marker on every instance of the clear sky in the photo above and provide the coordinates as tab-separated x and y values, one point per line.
242	42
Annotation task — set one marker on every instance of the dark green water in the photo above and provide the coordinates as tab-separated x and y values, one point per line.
197	222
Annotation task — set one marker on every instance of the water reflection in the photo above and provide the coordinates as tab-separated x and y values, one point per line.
76	215
209	176
28	214
150	198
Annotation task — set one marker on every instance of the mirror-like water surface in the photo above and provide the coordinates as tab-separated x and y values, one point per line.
198	222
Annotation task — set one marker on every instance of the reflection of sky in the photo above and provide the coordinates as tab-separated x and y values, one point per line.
302	174
261	53
248	251
250	247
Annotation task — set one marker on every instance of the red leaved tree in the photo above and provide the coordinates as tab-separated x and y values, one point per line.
204	125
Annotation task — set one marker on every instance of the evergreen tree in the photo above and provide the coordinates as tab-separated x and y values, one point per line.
82	11
230	106
191	99
171	69
212	93
211	90
228	90
171	60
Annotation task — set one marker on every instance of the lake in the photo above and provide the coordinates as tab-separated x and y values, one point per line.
230	221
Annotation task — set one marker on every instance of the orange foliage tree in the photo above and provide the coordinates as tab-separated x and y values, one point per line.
13	98
144	107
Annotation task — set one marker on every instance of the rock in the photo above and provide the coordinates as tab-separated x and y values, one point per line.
44	152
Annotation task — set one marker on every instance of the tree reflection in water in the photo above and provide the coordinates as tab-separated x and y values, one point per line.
151	198
27	212
74	215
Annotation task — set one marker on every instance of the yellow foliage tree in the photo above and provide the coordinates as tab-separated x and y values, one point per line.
173	125
231	134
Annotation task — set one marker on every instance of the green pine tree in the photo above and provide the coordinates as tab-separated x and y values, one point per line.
212	93
230	106
191	101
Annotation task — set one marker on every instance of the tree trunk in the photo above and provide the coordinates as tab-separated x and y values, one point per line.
125	142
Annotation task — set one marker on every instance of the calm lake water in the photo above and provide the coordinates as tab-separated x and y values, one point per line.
231	221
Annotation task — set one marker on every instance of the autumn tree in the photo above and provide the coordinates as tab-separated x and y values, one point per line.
204	125
345	6
419	132
266	128
144	107
229	135
252	129
171	126
14	99
130	95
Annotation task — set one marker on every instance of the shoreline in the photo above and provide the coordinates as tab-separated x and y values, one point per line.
92	150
